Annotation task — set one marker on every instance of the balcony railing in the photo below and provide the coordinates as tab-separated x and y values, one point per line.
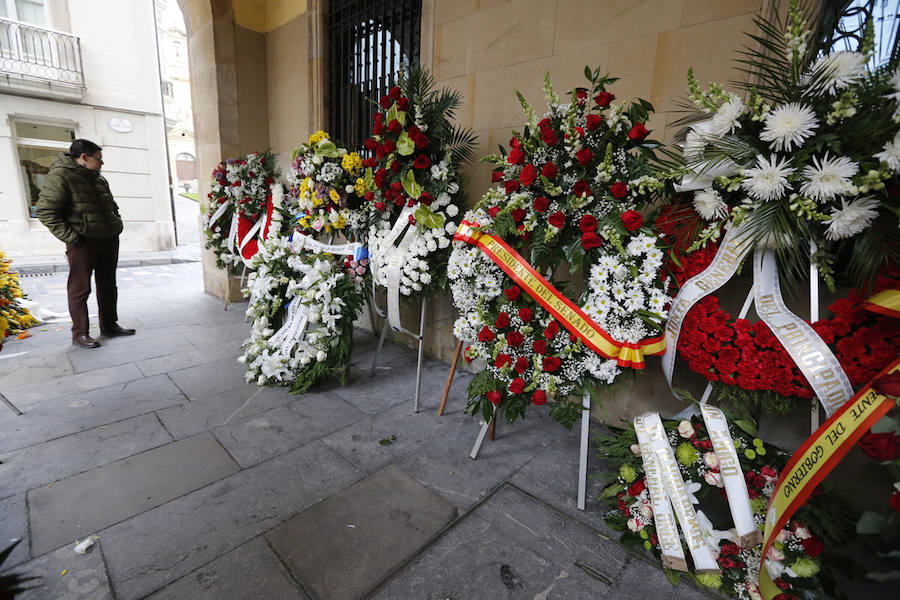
36	55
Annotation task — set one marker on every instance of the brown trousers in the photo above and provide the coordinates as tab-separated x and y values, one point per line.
99	257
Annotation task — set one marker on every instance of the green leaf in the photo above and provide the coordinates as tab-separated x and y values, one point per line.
886	425
326	148
369	179
587	73
747	425
673	577
405	145
611	490
429	219
870	523
412	189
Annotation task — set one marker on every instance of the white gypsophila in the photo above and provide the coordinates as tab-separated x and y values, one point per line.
852	218
727	118
828	178
788	126
768	180
836	71
891	153
709	204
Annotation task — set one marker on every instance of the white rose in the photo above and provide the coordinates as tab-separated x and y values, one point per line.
425	278
635	449
450	227
685	429
349	188
452	210
802	532
634	525
711	460
713	478
321	356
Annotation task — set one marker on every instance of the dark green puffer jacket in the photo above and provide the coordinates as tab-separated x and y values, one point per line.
76	203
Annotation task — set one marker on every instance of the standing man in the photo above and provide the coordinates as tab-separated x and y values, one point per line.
77	207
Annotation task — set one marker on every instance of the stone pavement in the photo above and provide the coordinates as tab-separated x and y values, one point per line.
200	486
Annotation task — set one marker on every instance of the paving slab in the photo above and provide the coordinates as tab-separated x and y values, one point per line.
58	417
14	526
221	408
308	417
52	461
210	378
33	369
155	548
68	576
122	350
343	546
86	503
73	384
249	571
513	546
640	579
175	361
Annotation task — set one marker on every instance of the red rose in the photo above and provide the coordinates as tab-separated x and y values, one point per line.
380	206
895	501
549	170
371	144
466	354
386	101
582	189
635	489
512	294
502	321
394	92
539	398
421	141
518	214
604	98
550	364
619	189
492	211
515	339
528	175
394	126
486	335
727	563
541	204
889	384
579	131
588	223
545	124
494	396
497	176
584	156
632	220
526	315
514	142
517	386
590	239
880	446
422	162
638	133
403	104
521	365
552	330
379	128
729	549
548	136
411	220
593	122
389	146
539	346
502	360
395	166
511	186
516	157
812	546
557	219
426	198
581	95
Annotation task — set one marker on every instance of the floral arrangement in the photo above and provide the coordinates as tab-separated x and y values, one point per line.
567	193
807	158
736	352
218	218
285	272
412	174
326	189
795	560
14	318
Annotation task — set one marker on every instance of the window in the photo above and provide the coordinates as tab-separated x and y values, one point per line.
185	167
368	42
37	146
844	25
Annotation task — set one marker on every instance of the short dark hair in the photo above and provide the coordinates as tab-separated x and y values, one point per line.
80	147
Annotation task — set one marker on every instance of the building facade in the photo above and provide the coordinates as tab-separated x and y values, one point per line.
82	69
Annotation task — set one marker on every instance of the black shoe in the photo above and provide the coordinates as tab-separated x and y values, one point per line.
116	330
85	341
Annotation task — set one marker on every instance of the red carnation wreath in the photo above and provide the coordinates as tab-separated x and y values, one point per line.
739	353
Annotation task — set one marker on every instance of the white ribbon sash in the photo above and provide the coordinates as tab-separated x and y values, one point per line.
652	435
808	351
302	241
396	256
218	214
732	476
257	230
232	232
724	265
294	328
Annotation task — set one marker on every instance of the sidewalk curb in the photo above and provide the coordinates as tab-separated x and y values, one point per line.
63	267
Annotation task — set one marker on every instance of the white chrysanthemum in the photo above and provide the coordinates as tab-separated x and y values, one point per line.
725	120
709	204
787	126
852	218
828	178
768	180
891	152
836	71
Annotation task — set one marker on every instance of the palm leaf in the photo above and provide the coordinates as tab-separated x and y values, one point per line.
462	144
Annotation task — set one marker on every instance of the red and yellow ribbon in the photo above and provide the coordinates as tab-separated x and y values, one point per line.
564	310
886	302
816	458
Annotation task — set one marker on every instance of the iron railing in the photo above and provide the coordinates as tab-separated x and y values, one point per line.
41	54
368	42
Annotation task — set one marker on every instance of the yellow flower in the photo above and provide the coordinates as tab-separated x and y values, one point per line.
361	187
306	185
304	222
335	197
340	223
318	137
317	200
351	163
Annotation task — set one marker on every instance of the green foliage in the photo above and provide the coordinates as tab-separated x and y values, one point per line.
13	583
